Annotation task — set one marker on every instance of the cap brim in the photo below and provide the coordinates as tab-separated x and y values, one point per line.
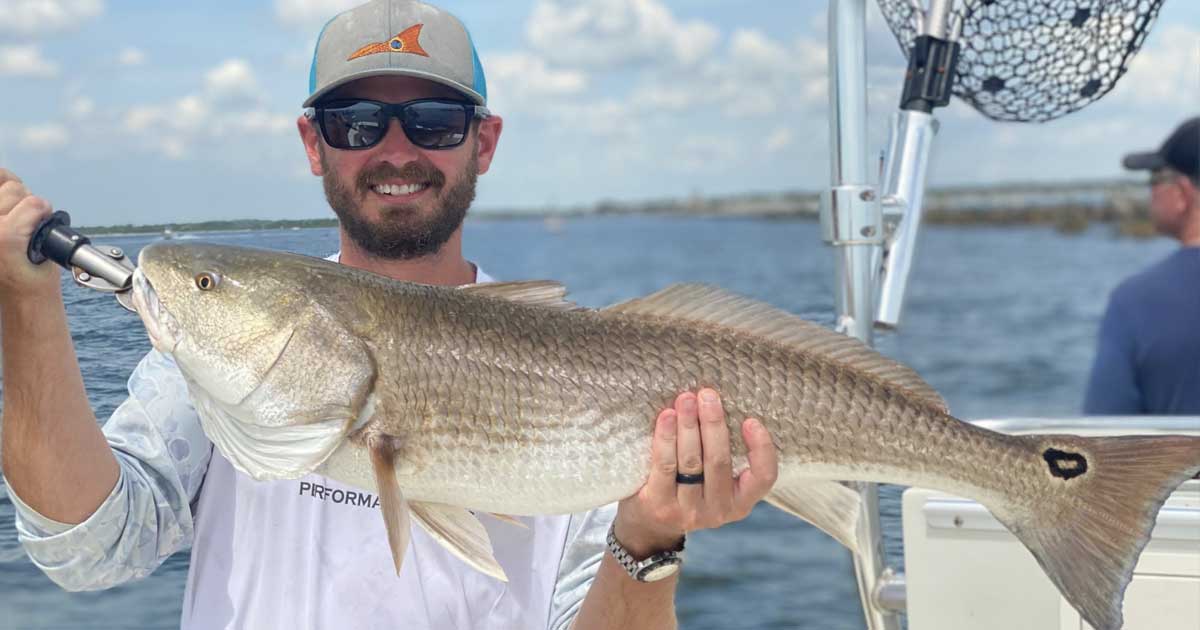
466	91
1143	161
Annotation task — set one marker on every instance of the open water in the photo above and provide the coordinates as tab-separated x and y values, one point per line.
1001	321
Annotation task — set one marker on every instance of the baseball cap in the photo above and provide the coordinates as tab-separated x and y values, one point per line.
1181	152
396	37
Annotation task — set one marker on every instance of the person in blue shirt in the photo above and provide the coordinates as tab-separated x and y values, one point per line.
1148	355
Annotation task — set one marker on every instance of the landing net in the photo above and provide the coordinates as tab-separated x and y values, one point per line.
1036	60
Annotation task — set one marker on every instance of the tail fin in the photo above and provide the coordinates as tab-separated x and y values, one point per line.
1096	517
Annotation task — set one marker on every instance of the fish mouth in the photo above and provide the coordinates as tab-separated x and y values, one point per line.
161	326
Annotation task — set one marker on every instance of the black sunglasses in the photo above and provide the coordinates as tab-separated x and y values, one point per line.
1162	176
429	123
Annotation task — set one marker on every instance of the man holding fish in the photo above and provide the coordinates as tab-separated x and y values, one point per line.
396	125
457	404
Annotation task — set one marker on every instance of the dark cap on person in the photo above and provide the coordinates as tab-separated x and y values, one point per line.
1180	153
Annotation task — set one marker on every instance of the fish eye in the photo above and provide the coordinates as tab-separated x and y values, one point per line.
206	281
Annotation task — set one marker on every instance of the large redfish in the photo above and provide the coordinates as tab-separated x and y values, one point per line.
506	398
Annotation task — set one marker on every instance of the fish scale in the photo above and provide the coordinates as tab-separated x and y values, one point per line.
505	398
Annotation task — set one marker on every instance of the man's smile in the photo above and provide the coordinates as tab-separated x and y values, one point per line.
396	192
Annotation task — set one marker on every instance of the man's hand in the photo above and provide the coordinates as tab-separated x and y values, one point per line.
20	214
692	438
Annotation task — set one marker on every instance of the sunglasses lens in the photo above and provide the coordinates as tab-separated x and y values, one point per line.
356	125
428	124
435	125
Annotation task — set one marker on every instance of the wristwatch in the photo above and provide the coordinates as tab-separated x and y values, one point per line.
661	565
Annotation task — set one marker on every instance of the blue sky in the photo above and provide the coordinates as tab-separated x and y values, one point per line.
149	112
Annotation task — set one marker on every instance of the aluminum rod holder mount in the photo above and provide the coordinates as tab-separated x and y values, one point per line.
851	215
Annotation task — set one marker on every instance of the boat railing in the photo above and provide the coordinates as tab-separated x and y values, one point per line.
890	591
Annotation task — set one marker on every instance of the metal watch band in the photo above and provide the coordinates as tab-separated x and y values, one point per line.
658	566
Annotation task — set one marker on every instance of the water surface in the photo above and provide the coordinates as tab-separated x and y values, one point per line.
1000	321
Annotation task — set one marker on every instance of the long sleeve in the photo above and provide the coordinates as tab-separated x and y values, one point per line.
585	548
163	454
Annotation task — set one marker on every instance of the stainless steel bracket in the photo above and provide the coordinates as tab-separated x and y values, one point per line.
851	215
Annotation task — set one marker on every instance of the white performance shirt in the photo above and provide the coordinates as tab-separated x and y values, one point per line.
296	554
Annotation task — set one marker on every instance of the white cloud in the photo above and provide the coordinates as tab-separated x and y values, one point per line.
34	18
525	72
521	81
758	76
308	12
173	148
131	56
607	118
81	107
595	33
232	82
186	115
25	61
258	122
1164	74
780	139
231	89
47	137
703	153
756	49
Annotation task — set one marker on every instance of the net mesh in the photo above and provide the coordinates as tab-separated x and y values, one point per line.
1036	60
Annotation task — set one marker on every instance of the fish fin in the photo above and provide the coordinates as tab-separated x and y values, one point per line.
533	292
511	520
262	452
713	305
830	506
1089	529
458	530
391	501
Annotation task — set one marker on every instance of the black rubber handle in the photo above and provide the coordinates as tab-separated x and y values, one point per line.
55	240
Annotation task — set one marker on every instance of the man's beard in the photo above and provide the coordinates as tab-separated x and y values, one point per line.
402	233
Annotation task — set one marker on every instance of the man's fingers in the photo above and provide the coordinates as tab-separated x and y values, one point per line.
8	176
690	452
755	482
661	484
11	192
718	471
28	213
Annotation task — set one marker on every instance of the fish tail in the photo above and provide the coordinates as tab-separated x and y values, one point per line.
1102	498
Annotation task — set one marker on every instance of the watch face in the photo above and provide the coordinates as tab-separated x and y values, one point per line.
659	570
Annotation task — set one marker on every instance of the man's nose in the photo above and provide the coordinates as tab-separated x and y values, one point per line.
395	144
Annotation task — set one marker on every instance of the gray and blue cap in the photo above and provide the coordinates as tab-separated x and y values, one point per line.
399	38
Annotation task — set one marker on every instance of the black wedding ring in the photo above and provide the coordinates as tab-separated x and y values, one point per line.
688	479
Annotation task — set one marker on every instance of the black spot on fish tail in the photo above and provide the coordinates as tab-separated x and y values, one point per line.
1065	465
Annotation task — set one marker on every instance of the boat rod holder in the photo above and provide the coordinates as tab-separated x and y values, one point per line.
928	84
99	267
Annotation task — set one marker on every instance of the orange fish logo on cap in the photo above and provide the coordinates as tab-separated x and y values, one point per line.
407	41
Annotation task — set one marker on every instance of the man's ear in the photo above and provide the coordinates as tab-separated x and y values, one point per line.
489	137
311	137
1191	191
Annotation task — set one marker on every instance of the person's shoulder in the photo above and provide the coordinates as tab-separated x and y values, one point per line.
1157	281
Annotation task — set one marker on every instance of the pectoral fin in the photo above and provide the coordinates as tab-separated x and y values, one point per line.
391	501
828	505
461	533
511	520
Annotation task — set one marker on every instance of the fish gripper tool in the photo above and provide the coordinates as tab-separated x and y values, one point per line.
99	267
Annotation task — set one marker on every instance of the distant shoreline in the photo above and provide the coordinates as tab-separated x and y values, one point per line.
239	225
1068	207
